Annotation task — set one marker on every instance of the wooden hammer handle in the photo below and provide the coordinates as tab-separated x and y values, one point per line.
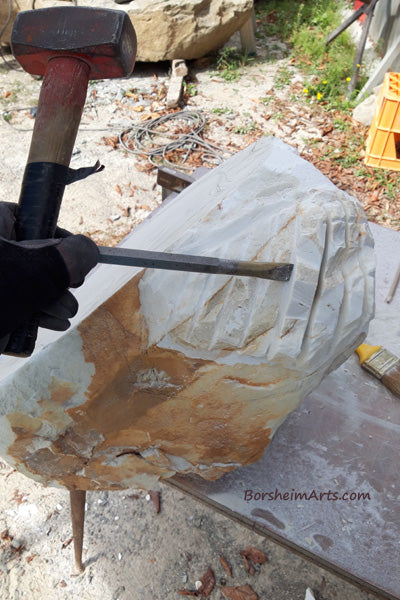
61	101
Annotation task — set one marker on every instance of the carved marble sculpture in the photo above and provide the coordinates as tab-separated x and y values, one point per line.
170	372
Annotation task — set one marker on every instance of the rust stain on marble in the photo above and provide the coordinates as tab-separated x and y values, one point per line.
60	393
202	423
285	226
26	428
22	423
147	410
193	417
99	475
254	384
215	299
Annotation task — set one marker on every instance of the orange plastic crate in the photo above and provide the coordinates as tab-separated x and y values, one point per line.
383	143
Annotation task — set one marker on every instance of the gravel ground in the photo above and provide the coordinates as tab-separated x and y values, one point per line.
130	551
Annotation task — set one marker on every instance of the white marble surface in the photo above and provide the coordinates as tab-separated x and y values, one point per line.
167	371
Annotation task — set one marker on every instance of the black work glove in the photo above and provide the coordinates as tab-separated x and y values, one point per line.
35	275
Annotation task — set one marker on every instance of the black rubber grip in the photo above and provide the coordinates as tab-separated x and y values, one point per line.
39	206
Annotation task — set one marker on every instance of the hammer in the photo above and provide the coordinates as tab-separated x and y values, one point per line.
68	46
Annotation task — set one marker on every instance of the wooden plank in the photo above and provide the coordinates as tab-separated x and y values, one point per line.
247	36
179	72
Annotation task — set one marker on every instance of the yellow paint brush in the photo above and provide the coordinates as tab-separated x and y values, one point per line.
382	364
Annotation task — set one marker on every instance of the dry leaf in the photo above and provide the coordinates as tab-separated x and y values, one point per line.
327	129
226	566
112	141
188	593
249	566
118	190
135	108
126	211
18	497
208	583
147	168
7	94
242	592
255	555
30	558
155	496
150	116
4	535
17	550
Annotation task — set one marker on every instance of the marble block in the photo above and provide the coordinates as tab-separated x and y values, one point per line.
166	372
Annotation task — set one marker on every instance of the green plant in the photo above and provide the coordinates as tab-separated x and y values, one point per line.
229	63
388	181
305	27
278	116
222	111
189	89
249	127
341	124
282	77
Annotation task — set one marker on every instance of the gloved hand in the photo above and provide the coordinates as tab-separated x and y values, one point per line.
35	275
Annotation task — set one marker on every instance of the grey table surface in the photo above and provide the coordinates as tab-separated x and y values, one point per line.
344	438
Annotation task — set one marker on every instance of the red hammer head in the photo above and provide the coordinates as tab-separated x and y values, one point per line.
104	39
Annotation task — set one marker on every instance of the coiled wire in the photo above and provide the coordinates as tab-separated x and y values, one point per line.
168	145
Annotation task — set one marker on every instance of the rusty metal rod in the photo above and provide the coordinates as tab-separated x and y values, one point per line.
77	501
393	287
197	264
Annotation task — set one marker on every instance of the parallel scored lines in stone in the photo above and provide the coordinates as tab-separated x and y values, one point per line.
314	307
352	228
338	333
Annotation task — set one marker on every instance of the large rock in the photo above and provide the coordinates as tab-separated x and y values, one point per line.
7	16
185	28
17	6
165	29
365	111
173	372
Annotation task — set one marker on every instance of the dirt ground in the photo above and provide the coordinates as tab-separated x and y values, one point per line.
130	551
